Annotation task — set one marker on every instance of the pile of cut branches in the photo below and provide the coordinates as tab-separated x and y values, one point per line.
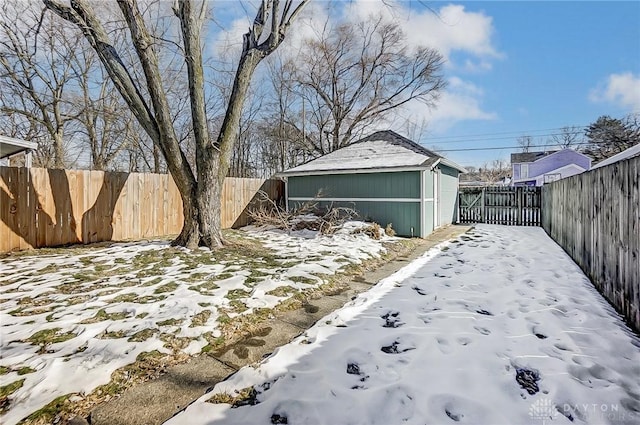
309	215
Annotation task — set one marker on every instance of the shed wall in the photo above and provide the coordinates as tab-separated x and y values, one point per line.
448	200
398	194
402	184
427	189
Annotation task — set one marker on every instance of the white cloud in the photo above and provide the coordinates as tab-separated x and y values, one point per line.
460	101
621	89
451	29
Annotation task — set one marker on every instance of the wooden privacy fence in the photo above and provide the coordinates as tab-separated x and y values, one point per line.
514	206
43	207
595	217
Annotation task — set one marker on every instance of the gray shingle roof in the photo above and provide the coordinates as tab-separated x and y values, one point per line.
518	158
382	149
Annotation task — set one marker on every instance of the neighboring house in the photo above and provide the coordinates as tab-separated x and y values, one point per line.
10	148
632	152
387	178
538	168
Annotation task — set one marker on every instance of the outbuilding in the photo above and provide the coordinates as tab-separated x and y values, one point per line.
387	178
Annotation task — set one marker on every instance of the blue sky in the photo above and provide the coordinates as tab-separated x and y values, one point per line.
520	68
557	57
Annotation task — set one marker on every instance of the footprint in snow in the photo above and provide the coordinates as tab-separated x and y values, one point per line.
391	320
528	379
443	345
419	290
482	330
464	341
354	369
393	348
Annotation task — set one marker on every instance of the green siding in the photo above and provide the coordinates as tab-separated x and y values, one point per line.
428	185
403	215
448	200
428	213
404	184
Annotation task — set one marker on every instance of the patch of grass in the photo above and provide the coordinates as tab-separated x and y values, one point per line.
4	370
167	287
196	277
200	319
223	276
239	398
51	268
112	335
214	343
235	294
303	279
21	312
49	412
142	315
142	335
25	370
282	291
205	287
148	299
11	388
6	391
102	315
152	282
238	306
205	304
86	277
70	288
174	343
79	299
125	298
49	336
108	292
34	302
169	322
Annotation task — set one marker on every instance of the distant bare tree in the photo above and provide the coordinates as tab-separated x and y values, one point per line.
494	171
37	74
568	137
525	143
354	75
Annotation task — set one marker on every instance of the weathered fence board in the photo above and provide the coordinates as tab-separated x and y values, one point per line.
512	206
595	217
42	207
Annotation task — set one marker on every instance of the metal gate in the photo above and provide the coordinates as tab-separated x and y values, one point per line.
511	206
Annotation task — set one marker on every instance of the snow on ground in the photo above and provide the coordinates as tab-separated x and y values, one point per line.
68	321
499	327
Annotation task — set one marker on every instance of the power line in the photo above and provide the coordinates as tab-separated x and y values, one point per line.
519	133
488	139
505	147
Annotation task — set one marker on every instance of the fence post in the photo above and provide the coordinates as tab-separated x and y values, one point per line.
482	209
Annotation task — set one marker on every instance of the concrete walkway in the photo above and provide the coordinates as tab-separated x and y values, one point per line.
154	402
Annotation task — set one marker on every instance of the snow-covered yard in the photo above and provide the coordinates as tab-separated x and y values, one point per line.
70	319
498	327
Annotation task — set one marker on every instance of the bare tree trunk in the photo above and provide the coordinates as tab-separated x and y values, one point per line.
200	190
